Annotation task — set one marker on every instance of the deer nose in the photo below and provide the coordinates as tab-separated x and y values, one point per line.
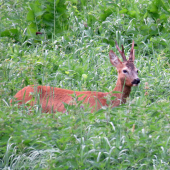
136	81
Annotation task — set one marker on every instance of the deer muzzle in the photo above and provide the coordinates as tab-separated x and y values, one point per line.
136	81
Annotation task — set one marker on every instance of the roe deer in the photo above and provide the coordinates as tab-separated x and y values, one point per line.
52	98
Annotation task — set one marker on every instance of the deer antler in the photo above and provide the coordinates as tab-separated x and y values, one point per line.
132	53
121	52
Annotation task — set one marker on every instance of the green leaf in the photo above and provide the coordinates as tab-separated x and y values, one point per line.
30	15
132	14
153	9
38	11
105	14
9	33
74	1
156	113
123	11
31	29
163	17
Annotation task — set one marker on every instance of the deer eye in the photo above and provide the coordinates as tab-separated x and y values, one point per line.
124	71
137	71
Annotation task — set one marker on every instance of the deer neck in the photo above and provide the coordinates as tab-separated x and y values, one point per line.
125	91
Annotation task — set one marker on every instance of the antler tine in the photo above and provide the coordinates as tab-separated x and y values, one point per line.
132	53
121	52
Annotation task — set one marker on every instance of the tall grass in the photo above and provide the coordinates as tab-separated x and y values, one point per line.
132	136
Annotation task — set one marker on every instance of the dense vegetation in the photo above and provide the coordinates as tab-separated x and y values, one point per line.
70	51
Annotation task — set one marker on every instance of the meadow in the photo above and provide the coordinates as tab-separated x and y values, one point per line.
66	44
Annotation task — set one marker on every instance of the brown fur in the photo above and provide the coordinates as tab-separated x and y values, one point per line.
52	98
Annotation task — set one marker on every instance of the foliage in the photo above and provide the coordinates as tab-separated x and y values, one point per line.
72	53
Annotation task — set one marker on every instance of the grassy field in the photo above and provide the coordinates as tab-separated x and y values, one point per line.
72	53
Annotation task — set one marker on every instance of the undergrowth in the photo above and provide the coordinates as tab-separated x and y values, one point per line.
72	53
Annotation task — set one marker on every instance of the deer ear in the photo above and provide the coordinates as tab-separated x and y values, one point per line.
114	59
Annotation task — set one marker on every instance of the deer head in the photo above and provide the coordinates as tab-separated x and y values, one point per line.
127	72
